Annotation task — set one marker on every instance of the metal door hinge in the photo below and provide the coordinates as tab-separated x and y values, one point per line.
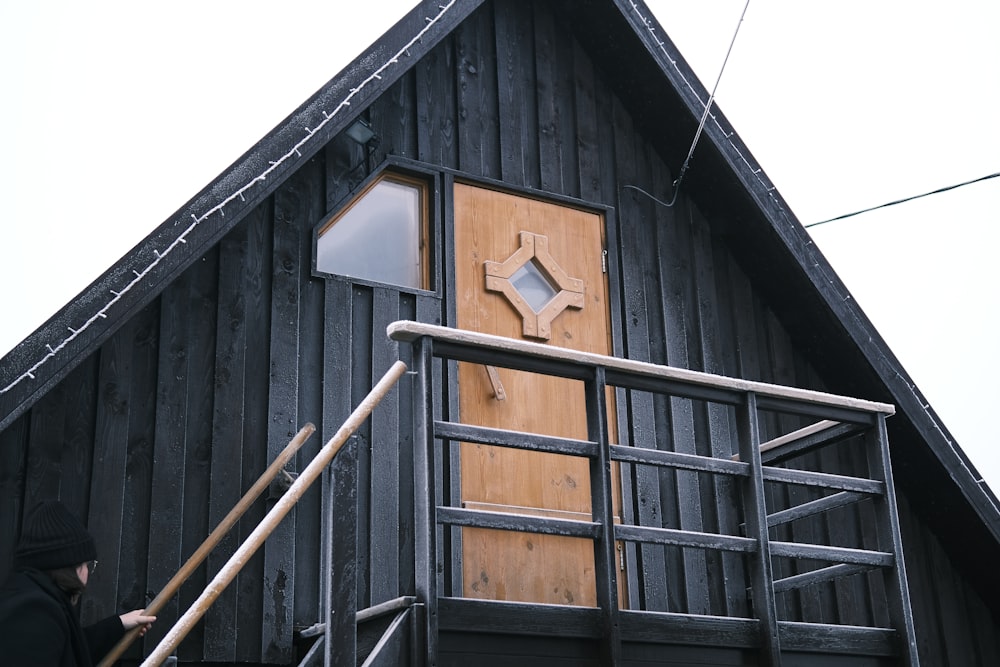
604	261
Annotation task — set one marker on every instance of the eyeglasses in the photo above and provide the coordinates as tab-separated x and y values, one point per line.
91	566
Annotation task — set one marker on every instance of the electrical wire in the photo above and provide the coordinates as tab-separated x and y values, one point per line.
704	118
902	201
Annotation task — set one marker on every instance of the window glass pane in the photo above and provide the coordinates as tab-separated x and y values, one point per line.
378	237
533	286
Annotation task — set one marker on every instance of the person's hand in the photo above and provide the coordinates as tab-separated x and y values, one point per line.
137	619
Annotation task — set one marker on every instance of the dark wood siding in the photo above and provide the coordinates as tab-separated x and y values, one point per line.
156	435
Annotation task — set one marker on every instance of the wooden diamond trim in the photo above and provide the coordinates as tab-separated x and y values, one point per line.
570	294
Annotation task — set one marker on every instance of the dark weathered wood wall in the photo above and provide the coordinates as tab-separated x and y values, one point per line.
156	435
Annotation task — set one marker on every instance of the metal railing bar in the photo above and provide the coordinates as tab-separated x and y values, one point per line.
606	560
314	656
524	523
514	439
824	410
474	354
813	507
819	576
383	608
806	440
667	386
823	480
271	520
184	573
817	428
813	637
388	640
832	554
658	457
405	330
685	538
366	614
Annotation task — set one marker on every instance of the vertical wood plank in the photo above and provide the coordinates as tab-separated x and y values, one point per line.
384	488
227	429
393	118
240	401
201	332
411	307
729	590
550	106
475	94
437	142
650	568
114	370
293	211
13	459
309	581
673	272
259	293
342	547
921	551
78	439
517	103
361	380
169	444
45	453
341	516
143	344
587	139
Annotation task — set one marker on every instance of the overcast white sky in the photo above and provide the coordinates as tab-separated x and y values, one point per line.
116	113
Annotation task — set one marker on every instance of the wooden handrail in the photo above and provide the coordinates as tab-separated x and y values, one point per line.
270	521
172	586
407	331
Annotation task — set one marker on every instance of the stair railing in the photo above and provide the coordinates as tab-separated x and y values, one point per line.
270	521
196	559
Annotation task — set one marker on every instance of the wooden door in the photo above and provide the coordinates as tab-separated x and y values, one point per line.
509	251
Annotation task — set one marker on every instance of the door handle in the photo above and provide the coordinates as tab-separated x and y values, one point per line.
498	391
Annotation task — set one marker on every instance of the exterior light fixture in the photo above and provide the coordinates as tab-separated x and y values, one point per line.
360	132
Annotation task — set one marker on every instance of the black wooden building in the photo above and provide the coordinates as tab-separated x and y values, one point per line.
701	480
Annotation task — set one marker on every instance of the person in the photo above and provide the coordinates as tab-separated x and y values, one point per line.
39	617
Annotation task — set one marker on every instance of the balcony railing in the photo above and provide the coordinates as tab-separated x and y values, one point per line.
780	477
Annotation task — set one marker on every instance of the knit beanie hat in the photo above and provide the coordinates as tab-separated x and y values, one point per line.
53	538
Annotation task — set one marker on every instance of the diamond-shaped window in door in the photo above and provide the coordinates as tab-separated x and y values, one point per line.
537	287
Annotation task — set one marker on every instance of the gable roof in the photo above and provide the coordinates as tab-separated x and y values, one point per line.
728	185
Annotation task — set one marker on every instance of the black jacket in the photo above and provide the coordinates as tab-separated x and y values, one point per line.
40	628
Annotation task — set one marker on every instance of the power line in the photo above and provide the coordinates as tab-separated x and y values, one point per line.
901	201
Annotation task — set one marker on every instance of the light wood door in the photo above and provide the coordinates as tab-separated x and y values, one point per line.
496	233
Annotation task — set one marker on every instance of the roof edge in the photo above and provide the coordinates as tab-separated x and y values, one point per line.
47	355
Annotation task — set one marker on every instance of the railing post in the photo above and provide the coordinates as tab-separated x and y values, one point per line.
888	530
425	518
755	509
601	495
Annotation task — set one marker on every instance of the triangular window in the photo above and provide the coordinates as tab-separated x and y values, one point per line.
381	236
